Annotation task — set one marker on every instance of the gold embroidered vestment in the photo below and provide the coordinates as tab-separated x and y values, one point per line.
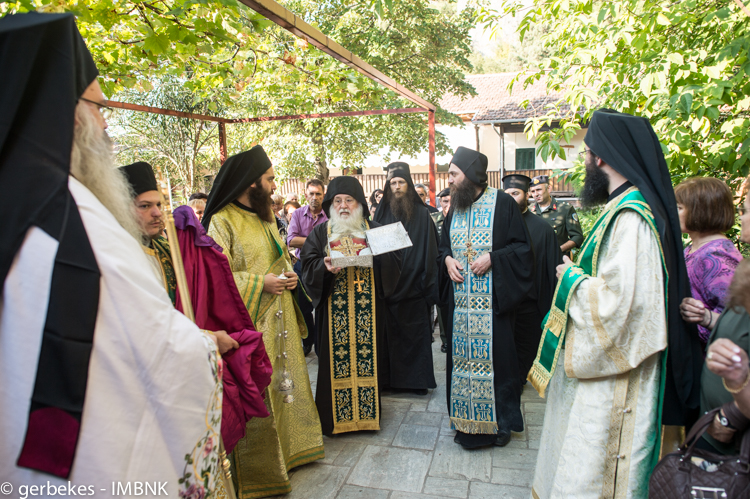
352	341
291	436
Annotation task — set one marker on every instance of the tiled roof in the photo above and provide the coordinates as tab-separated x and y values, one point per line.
494	102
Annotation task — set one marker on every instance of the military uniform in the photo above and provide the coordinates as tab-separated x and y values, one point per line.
564	219
561	216
438	218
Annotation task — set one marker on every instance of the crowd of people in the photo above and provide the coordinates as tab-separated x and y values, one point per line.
136	346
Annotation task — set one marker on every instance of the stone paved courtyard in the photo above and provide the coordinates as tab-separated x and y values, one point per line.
413	455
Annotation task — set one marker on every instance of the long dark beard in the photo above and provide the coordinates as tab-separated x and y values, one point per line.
463	194
596	185
402	207
261	202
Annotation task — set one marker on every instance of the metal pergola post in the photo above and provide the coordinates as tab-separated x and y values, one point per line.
294	24
431	148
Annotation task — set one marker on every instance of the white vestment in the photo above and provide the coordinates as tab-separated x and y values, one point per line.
154	393
600	423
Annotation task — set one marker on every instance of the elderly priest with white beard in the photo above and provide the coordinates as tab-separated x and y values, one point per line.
350	346
102	381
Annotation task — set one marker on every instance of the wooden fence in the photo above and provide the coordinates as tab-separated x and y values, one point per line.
559	186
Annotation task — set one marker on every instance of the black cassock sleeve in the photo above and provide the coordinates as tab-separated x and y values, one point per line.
317	279
431	279
387	271
445	285
512	257
547	278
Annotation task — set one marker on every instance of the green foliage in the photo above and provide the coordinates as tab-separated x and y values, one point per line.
588	218
683	65
183	149
423	48
506	57
234	62
135	42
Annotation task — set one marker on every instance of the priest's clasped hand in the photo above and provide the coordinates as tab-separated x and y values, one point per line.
331	268
275	285
481	265
291	280
567	262
454	269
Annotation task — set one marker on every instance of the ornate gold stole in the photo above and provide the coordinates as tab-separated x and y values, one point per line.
353	350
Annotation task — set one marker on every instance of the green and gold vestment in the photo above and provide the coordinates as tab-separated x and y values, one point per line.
600	363
291	435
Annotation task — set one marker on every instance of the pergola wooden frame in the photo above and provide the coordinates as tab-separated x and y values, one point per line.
295	25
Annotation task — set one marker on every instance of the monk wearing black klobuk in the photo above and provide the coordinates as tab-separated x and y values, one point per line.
409	309
487	270
547	256
349	306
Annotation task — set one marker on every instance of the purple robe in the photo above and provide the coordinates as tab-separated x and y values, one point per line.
219	306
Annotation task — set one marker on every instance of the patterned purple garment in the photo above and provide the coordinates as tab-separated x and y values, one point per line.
710	269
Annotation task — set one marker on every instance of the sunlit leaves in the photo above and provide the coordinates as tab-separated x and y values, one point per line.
234	62
683	65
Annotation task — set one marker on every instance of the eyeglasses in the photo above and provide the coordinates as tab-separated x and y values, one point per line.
582	154
340	201
104	109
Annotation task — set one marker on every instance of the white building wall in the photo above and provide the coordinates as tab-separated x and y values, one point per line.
489	144
515	141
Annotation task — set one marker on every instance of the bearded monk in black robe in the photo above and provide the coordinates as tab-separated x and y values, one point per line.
487	270
409	308
547	256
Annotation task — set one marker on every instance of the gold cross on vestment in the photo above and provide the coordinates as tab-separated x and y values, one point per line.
349	247
470	252
358	281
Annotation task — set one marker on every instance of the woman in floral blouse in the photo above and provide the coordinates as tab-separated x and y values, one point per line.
706	209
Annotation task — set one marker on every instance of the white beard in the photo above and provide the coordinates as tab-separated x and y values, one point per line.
92	164
346	226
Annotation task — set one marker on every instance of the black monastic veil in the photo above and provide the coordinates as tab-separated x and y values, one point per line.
236	175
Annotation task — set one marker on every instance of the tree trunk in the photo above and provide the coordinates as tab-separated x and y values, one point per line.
321	165
322	170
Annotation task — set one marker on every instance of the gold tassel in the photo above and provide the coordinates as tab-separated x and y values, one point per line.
475	427
556	322
539	379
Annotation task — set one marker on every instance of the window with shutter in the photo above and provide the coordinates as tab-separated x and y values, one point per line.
525	158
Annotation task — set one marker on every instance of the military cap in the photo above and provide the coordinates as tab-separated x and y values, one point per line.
540	179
